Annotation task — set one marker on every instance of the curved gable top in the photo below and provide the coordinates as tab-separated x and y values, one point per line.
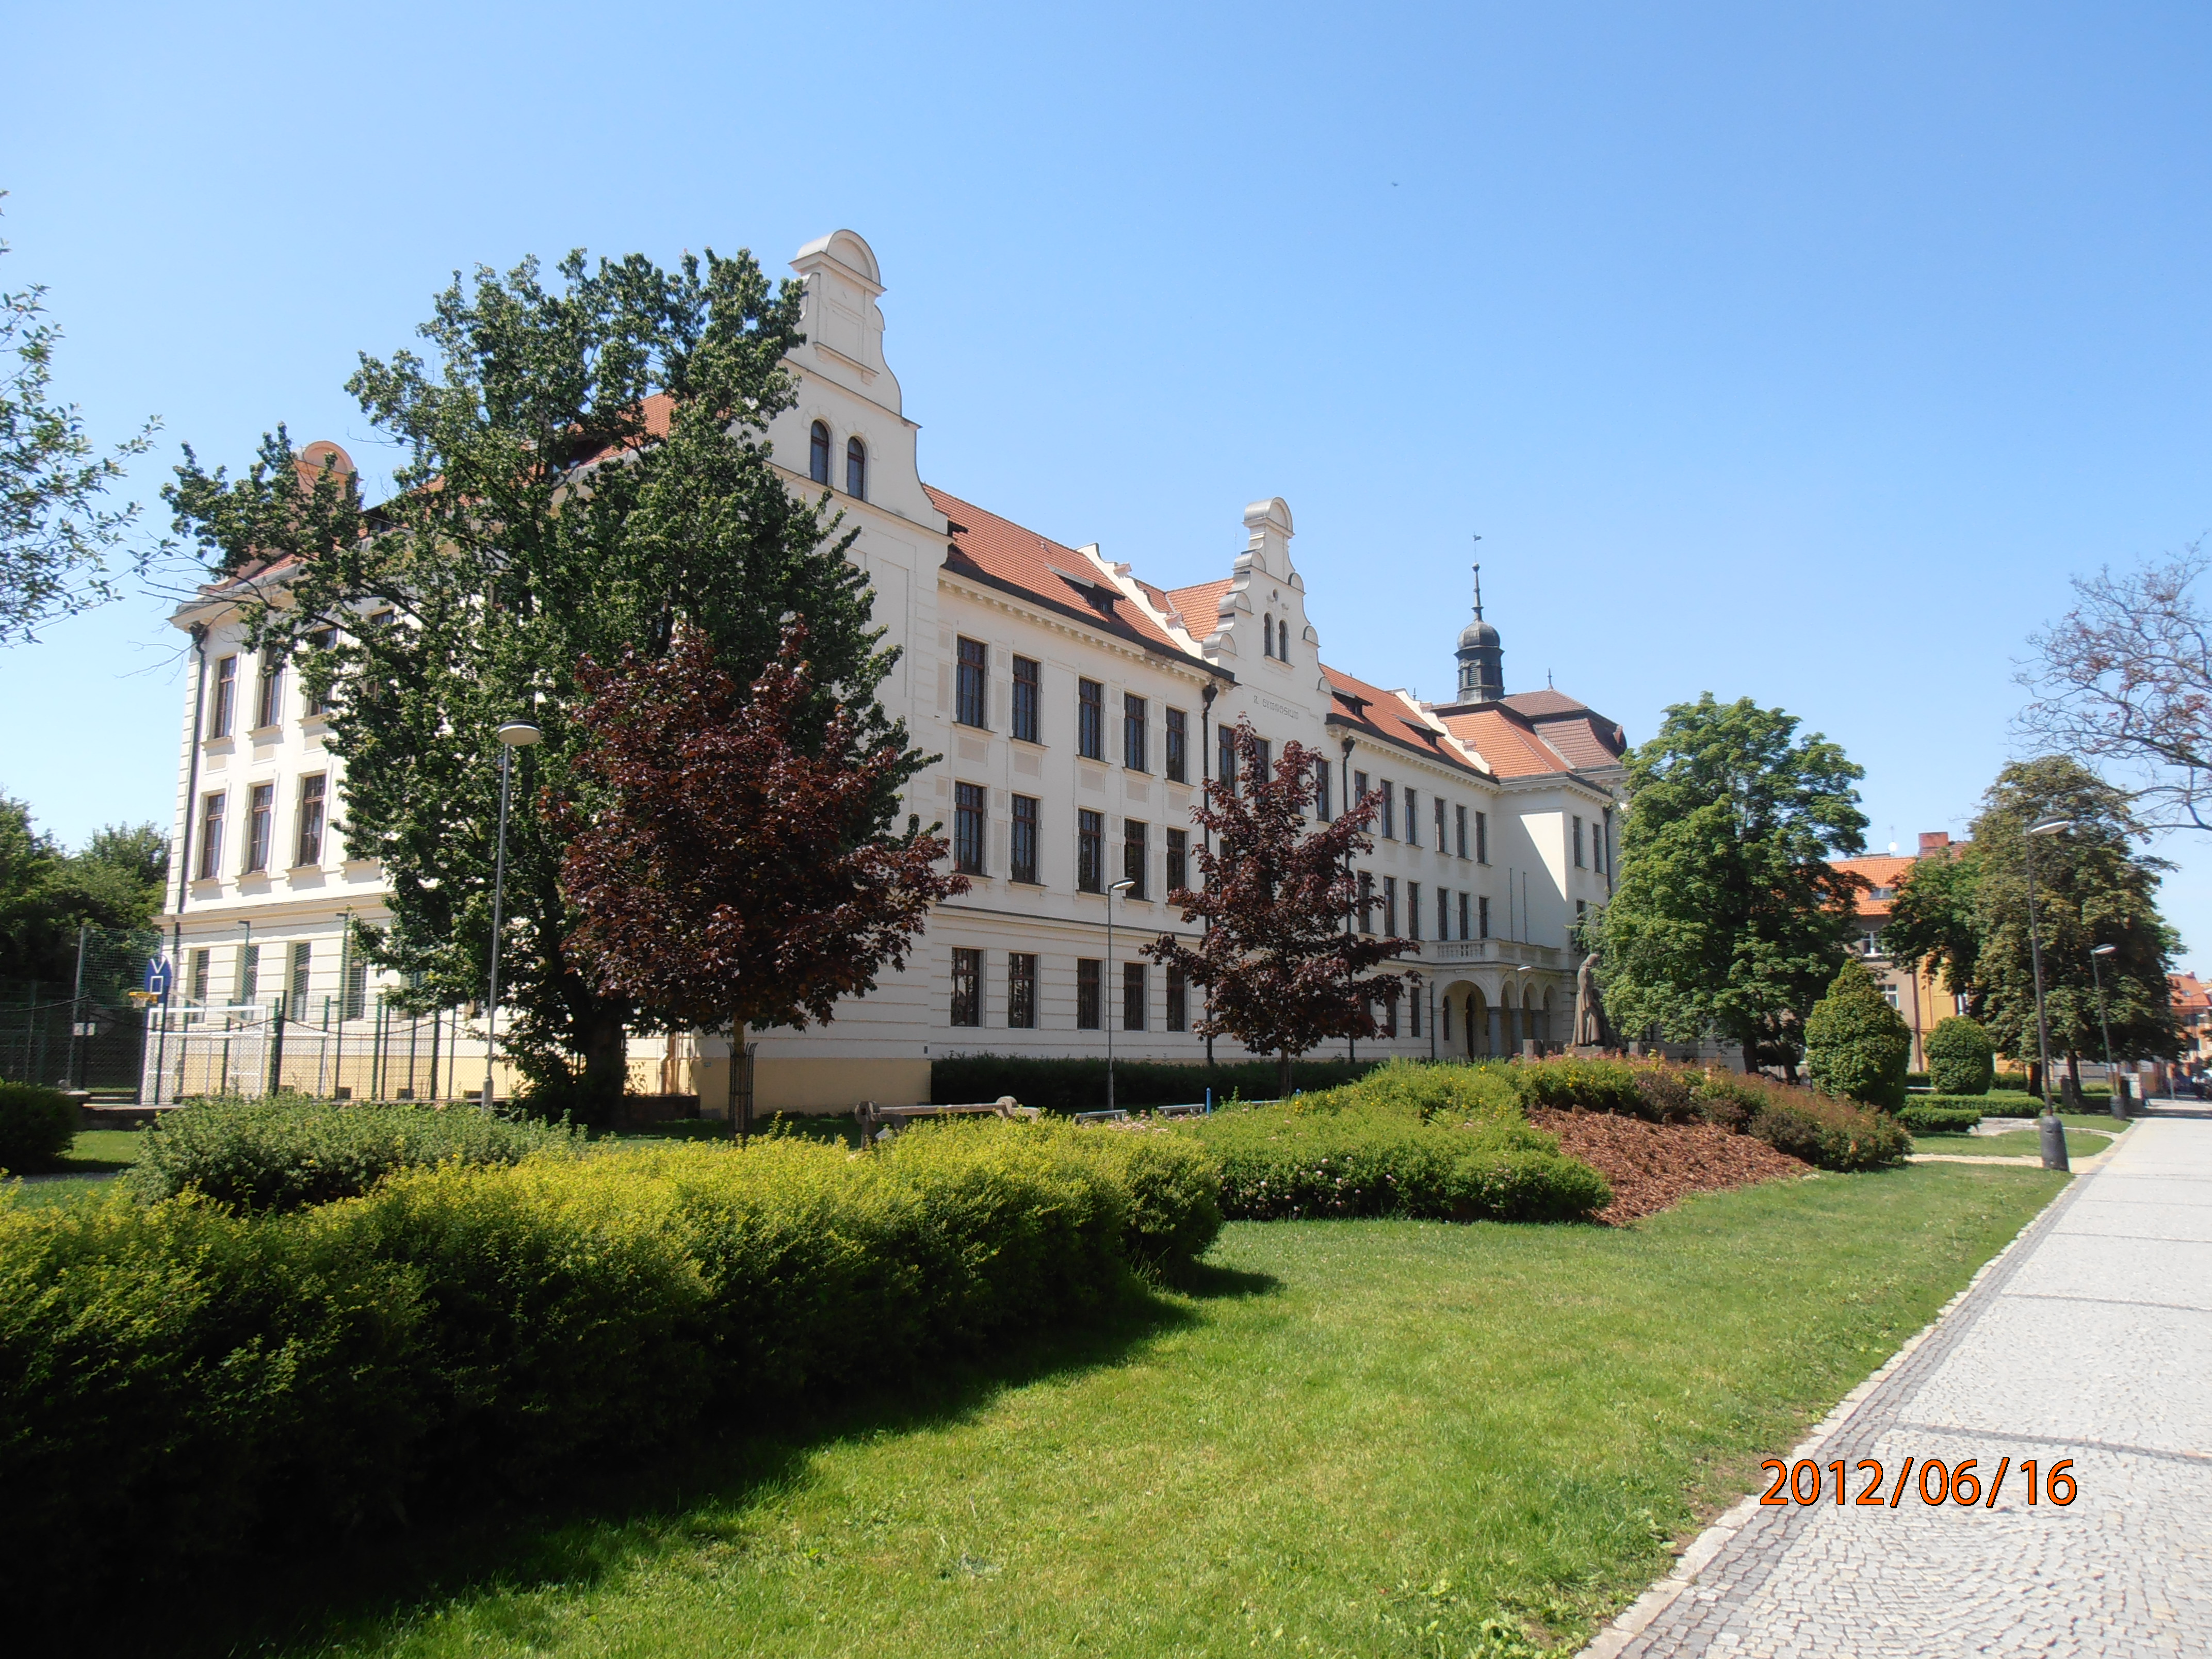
849	250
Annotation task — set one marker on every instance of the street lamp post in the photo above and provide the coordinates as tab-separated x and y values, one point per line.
2115	1102
2053	1132
515	734
1105	990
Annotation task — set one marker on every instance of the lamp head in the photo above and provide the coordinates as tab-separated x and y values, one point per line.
2050	826
2104	950
1121	886
519	734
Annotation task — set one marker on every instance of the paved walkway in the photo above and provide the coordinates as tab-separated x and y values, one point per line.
2091	1338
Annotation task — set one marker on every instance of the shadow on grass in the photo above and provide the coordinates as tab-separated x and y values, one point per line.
357	1590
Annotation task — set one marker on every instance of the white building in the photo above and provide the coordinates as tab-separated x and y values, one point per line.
1078	710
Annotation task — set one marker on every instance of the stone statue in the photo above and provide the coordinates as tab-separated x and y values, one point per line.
1589	1012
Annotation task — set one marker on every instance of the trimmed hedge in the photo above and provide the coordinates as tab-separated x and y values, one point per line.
184	1383
1960	1060
294	1151
1856	1045
1079	1085
1940	1115
37	1126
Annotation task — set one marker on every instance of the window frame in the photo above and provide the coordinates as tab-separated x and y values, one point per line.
818	443
1090	720
1178	862
1413	915
310	818
1174	746
966	1011
1028	688
1388	814
269	693
1136	996
1366	900
1224	758
1090	850
971	693
1136	854
1389	907
1178	1000
1022	839
1482	837
856	467
1323	772
1021	990
1136	732
1579	864
311	706
299	977
224	716
260	828
971	806
1090	993
213	805
1459	819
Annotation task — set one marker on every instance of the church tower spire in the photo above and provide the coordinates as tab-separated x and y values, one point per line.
1481	658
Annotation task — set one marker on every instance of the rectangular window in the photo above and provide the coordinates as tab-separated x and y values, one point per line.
1440	824
260	823
966	987
313	800
1090	720
1601	843
972	684
322	639
1366	902
1089	851
1581	910
1359	795
1443	913
1322	770
249	973
302	959
1225	761
352	1002
1178	859
1087	993
197	990
1388	818
1889	994
1133	726
210	864
1412	820
1390	906
1414	913
1178	758
1263	763
1133	996
1482	915
1413	1008
1025	699
1578	843
968	801
1023	853
1021	991
1178	1001
1482	837
1135	844
1459	816
224	712
269	692
1390	1018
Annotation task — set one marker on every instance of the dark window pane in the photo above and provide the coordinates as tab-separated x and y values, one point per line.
1178	1001
1025	699
1224	766
817	461
1414	913
1390	906
1133	732
1178	858
1133	996
1413	818
968	703
1178	764
966	987
1023	853
210	864
1263	761
260	820
1021	991
1086	994
968	801
1386	820
1134	836
1440	824
1090	720
1366	902
224	704
311	804
1322	773
1481	838
856	469
1090	850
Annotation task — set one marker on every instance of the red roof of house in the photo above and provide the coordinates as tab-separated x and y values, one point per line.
1199	606
1882	872
1509	741
2189	996
1387	715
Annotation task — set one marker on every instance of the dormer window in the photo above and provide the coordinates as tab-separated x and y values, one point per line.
818	462
856	469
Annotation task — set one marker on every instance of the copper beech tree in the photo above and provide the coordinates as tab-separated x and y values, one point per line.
735	867
1283	964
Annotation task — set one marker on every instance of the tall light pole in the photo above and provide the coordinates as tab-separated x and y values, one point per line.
2048	1125
2114	1101
515	734
1105	990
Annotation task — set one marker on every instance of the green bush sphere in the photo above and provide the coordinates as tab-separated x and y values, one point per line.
1856	1045
1960	1060
37	1126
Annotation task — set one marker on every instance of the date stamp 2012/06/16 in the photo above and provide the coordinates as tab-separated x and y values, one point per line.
1957	1485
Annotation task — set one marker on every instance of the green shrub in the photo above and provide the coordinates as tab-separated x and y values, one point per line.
1960	1060
1279	1164
1423	1091
183	1382
1856	1045
1940	1115
1079	1085
1825	1132
284	1153
1595	1085
36	1126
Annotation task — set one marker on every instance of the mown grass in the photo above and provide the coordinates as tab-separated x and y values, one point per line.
2013	1143
1368	1437
91	1163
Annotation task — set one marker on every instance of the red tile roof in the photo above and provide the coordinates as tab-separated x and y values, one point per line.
1387	715
1882	872
1509	742
1002	554
2189	996
1201	607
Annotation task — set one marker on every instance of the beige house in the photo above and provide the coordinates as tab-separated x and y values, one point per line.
1079	710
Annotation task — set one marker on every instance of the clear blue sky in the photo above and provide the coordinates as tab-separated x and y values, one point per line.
1793	352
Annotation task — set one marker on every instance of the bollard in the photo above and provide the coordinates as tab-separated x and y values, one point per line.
2119	1103
2054	1141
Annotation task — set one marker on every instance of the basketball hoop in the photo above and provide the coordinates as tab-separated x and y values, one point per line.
144	998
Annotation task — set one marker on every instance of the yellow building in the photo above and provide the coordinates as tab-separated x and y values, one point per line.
1920	998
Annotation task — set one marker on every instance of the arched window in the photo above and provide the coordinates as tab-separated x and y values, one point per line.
856	469
1266	634
1283	640
818	462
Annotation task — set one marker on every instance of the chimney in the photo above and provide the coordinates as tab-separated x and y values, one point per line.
1933	842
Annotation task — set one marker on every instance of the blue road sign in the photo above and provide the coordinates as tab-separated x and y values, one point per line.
158	976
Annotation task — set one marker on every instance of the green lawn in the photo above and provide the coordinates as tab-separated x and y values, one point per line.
2013	1143
1352	1437
90	1163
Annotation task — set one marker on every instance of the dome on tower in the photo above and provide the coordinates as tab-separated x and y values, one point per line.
1481	656
1477	634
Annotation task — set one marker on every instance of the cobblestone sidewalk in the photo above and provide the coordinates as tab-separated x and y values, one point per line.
2090	1339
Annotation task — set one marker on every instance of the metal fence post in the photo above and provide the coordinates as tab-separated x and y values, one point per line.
277	1046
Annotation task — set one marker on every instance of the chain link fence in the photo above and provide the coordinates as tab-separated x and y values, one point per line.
258	1049
90	1033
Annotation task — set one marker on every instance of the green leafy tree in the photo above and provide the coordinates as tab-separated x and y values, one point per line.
1960	1060
1933	923
1856	1045
1728	917
2092	888
57	526
588	471
46	893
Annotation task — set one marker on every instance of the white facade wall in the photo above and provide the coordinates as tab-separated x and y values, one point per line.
879	1048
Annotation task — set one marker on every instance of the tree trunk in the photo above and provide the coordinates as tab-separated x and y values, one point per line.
606	1064
1751	1056
2070	1090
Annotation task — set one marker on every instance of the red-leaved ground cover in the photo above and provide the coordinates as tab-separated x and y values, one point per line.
1651	1165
